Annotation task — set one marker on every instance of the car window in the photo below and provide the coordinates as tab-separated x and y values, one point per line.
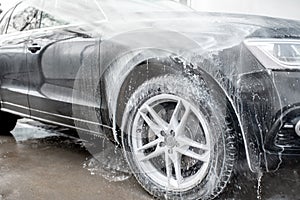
73	12
24	18
48	20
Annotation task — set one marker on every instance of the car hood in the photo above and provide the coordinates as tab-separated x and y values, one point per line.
208	31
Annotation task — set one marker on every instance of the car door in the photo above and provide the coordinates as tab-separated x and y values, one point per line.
14	74
54	65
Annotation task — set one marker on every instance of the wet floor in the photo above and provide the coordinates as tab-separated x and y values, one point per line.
41	162
44	165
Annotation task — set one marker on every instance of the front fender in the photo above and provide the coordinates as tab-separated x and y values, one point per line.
122	73
120	90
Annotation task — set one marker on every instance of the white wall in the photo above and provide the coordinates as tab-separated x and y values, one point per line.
275	8
6	4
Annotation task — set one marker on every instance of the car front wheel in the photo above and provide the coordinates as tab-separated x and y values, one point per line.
178	139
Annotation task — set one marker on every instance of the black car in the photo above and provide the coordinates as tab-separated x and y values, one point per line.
184	93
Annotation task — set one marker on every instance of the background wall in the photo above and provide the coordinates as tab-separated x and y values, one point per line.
6	4
275	8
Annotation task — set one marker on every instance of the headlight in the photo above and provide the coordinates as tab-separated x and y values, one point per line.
276	53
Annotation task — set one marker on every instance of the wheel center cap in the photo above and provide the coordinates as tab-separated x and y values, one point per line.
170	141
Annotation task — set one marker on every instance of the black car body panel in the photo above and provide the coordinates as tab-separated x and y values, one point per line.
83	75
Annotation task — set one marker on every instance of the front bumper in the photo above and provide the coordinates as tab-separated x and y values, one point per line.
282	136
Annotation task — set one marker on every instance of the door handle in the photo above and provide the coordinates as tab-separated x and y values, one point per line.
33	48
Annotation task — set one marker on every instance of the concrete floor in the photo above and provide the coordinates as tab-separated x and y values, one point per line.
39	164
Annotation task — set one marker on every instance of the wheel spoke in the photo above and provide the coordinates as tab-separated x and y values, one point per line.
202	157
159	121
183	121
152	125
174	119
183	140
150	144
168	166
154	154
177	166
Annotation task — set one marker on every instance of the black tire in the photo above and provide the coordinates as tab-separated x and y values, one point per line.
213	105
8	123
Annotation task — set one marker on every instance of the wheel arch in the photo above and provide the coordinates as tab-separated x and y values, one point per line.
133	74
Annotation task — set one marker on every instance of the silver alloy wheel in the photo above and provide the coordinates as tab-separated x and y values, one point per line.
171	142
